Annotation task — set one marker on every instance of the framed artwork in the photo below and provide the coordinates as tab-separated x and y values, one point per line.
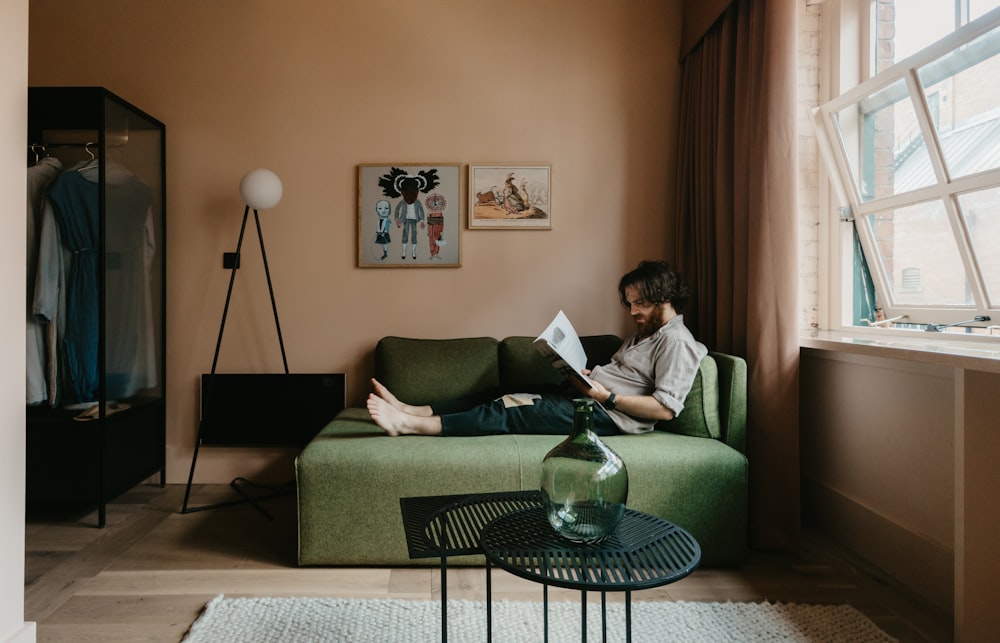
409	215
510	196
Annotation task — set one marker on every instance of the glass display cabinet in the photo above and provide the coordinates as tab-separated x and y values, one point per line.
98	297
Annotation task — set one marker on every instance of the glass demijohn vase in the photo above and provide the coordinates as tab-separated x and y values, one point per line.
584	482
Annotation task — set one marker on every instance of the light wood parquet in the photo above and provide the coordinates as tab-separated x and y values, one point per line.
148	574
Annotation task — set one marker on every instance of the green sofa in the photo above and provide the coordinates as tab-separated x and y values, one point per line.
350	477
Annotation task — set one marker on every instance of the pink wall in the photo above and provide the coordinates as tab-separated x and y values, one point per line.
13	115
310	89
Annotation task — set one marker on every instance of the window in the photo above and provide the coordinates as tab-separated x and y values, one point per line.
915	154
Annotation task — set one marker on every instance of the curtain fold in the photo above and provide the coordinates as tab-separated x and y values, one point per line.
736	235
698	19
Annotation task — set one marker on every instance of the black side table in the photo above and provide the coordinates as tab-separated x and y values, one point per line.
644	552
443	526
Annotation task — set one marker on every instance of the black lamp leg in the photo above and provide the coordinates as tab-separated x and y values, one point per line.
270	290
215	360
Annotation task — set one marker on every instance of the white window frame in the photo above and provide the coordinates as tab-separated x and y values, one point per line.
846	60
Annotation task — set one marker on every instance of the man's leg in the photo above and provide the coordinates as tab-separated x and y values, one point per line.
438	408
545	415
398	418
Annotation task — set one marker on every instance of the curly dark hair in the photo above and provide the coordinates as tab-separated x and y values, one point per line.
657	283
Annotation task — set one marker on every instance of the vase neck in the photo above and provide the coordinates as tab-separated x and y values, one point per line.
583	417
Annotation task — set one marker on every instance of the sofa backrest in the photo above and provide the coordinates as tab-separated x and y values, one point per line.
524	369
424	371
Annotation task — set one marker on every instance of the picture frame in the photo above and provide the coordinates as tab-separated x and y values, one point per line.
510	196
430	223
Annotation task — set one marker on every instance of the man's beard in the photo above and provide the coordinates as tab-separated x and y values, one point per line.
646	327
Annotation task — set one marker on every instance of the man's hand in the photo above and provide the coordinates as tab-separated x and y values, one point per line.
646	407
597	392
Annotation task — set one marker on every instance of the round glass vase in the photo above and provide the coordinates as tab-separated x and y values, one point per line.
584	482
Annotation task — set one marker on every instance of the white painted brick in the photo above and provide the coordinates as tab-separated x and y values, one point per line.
807	80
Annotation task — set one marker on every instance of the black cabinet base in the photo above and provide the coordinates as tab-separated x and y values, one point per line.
93	462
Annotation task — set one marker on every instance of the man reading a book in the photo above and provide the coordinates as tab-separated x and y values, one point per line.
646	380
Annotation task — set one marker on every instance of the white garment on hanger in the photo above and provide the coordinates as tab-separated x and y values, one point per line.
37	388
130	246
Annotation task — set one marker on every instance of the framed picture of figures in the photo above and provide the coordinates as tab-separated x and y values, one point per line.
409	215
510	196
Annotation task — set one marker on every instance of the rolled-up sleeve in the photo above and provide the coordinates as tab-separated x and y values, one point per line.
675	368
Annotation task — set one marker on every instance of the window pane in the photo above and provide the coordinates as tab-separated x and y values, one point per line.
912	26
893	154
917	250
964	95
919	24
982	215
978	7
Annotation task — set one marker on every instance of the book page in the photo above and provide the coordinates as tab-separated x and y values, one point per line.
560	343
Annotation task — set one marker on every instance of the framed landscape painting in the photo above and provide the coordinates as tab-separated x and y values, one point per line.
409	215
511	196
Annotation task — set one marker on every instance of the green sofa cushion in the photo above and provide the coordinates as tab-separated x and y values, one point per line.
425	371
351	477
524	370
700	417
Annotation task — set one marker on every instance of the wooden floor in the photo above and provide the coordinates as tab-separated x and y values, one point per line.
147	575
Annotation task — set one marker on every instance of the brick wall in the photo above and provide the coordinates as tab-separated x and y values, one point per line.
809	161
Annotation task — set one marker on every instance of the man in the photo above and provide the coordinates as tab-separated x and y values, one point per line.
646	380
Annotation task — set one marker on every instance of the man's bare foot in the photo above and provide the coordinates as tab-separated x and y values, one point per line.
396	422
384	393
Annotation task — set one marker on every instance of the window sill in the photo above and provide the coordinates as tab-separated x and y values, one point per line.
970	355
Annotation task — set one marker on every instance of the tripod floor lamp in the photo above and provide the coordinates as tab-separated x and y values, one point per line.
261	189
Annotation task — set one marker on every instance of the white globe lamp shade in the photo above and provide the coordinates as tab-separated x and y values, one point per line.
261	189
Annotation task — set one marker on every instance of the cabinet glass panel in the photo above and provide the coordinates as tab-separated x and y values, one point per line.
133	237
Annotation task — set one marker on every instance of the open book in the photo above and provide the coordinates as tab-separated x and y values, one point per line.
560	343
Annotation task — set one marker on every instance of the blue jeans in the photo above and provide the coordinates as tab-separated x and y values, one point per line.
550	414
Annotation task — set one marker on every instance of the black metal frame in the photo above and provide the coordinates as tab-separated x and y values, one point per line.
443	526
644	552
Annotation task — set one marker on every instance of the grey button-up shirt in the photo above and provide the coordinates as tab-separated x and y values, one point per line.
663	365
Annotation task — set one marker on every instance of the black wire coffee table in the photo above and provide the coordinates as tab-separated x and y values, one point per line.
644	552
444	526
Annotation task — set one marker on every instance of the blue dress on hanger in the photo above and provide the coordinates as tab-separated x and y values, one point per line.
77	210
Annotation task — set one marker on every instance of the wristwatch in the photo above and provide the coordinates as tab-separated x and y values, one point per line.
610	402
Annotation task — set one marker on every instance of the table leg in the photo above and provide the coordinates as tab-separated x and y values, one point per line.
444	599
583	615
489	602
628	617
545	604
604	617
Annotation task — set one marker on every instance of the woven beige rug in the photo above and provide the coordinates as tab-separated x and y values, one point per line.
315	620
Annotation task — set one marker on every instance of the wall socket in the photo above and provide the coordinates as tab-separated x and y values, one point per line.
230	260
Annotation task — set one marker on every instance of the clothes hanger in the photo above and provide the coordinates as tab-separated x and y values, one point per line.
93	162
36	148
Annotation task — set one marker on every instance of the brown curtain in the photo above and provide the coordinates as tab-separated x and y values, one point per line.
736	235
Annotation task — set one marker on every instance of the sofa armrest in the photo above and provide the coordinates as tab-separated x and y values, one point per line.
732	399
